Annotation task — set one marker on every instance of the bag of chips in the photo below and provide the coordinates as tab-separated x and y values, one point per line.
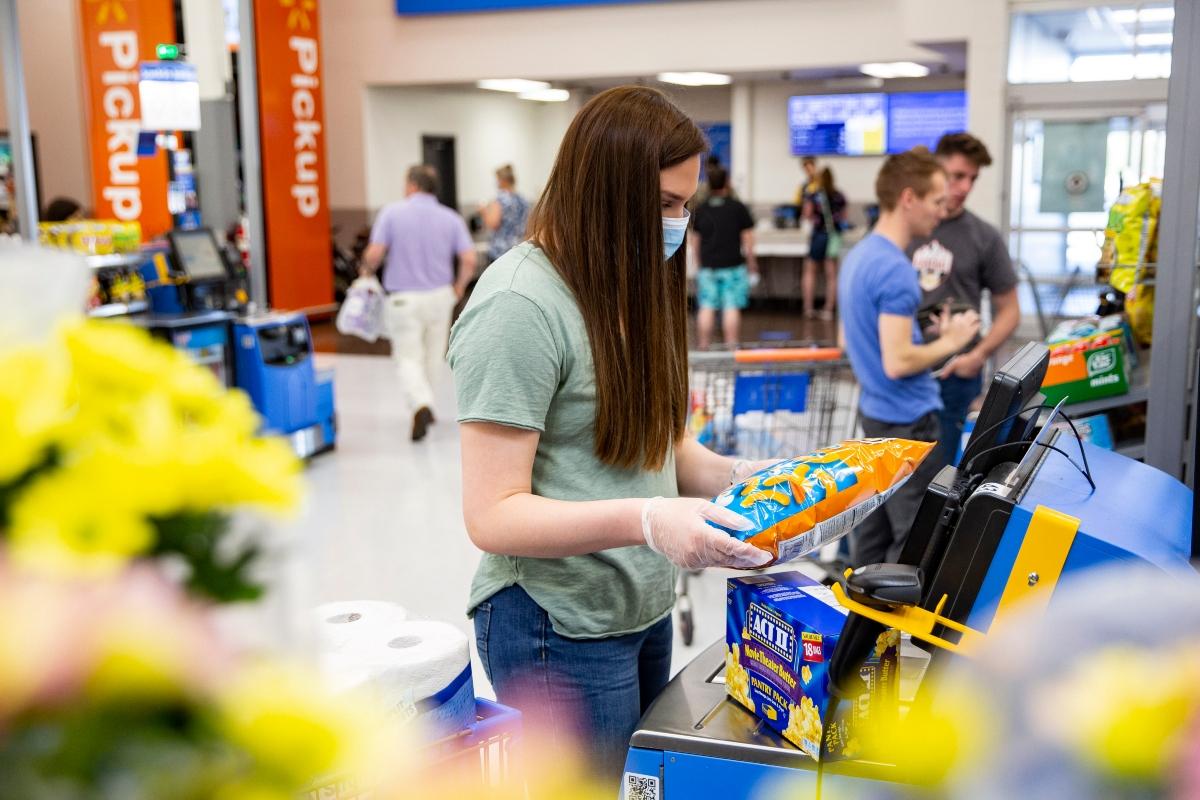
1139	306
1131	236
801	504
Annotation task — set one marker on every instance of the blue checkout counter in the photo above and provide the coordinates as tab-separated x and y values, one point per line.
202	335
695	742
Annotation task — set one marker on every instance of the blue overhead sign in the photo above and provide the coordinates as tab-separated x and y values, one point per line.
459	6
920	118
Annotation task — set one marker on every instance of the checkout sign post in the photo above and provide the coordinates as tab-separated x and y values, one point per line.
292	120
117	36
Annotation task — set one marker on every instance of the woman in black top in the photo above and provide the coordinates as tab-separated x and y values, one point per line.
827	210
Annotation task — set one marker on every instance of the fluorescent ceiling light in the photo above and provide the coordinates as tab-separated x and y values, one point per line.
894	69
512	85
695	78
1153	39
1128	16
546	95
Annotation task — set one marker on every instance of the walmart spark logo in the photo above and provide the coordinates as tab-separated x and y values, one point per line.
114	9
299	12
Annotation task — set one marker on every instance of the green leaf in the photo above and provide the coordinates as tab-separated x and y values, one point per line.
11	490
214	574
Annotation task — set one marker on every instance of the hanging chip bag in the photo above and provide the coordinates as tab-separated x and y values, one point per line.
801	504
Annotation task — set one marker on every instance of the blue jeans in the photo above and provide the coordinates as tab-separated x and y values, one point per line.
957	396
591	690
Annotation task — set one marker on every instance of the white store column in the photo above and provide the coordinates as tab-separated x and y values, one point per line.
216	172
741	137
25	201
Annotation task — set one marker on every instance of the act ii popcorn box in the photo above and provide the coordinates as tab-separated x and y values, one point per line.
780	634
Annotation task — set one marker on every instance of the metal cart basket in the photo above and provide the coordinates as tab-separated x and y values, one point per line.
778	402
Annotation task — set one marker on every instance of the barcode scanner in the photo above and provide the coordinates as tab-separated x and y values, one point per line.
882	586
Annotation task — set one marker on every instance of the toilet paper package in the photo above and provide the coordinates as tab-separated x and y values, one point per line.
419	671
337	623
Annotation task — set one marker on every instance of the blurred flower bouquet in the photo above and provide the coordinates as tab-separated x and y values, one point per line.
119	688
118	448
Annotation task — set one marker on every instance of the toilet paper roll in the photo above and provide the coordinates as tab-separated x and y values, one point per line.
415	669
341	622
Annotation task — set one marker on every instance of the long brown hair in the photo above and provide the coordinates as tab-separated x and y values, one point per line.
827	184
599	222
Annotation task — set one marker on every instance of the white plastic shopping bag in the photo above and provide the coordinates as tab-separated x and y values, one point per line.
361	313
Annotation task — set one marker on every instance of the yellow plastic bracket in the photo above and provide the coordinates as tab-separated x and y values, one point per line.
1035	573
1038	566
916	621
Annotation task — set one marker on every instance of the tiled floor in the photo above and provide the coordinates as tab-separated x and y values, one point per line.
383	521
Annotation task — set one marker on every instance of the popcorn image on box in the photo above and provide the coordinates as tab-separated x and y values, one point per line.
781	631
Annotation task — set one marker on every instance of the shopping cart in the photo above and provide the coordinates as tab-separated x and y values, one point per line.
767	402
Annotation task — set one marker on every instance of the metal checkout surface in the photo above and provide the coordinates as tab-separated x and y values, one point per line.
1007	535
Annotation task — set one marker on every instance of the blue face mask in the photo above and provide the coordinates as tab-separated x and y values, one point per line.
674	231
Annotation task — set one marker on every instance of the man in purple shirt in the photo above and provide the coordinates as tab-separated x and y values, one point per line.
420	239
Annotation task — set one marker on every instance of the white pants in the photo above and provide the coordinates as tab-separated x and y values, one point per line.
418	323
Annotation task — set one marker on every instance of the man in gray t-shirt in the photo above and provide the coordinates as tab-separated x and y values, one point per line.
964	256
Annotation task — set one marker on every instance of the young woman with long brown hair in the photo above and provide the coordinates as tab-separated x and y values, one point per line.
578	482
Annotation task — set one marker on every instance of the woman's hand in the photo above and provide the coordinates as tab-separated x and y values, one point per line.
678	529
743	469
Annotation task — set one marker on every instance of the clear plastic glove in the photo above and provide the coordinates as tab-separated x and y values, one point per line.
678	529
743	469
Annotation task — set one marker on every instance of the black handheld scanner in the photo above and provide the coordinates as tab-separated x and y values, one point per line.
883	586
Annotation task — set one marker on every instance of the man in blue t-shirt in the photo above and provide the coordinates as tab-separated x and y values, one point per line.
880	299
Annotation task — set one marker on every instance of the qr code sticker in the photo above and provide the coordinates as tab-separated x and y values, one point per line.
640	787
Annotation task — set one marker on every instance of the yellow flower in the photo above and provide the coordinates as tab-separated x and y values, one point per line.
298	731
33	400
252	789
140	431
1130	708
930	744
78	519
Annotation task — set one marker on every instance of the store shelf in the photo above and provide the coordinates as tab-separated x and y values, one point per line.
1139	392
118	309
115	260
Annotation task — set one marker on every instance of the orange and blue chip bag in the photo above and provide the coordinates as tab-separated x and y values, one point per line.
801	504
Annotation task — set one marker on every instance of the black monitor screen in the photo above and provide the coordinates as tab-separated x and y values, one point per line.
197	254
1013	388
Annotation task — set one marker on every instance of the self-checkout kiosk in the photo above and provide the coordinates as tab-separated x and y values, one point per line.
1029	508
198	304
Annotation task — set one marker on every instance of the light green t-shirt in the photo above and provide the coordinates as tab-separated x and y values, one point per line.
521	357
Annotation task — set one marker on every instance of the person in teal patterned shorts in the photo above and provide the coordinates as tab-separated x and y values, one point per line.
724	235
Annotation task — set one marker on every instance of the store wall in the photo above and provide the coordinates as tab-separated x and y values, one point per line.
367	44
490	129
53	87
704	103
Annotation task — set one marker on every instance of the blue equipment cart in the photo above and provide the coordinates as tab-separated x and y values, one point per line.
274	365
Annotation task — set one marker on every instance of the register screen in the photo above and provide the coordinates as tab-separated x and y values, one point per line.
198	254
